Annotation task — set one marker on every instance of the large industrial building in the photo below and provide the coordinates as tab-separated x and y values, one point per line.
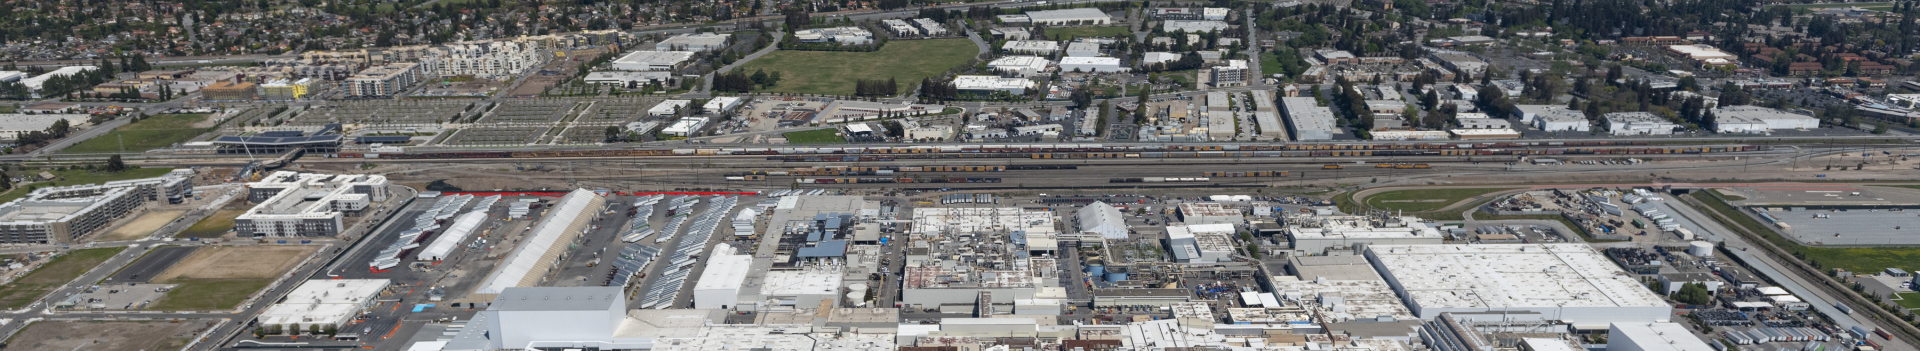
1650	336
1209	213
840	35
1200	243
293	204
1025	66
12	124
1639	123
545	245
1756	119
63	214
719	284
652	60
329	303
1570	283
548	317
1091	64
1102	220
1553	118
1307	120
1035	47
695	42
36	83
1316	234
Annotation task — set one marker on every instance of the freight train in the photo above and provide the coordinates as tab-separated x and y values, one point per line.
1084	151
893	180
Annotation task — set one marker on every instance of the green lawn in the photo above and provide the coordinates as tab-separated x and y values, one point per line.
213	226
1852	259
154	132
9	108
1269	64
1419	200
1096	32
1909	300
816	136
208	294
81	176
834	73
63	269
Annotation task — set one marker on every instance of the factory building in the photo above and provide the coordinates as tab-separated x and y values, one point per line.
1084	49
64	214
1307	120
1639	123
1103	220
652	61
1647	336
1756	119
548	317
1569	283
1316	234
382	81
329	303
1200	243
965	257
36	83
719	284
545	245
842	35
1209	213
1553	118
695	42
293	204
12	124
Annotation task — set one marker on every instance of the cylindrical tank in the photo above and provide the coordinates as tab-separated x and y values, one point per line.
1700	249
1096	271
1116	277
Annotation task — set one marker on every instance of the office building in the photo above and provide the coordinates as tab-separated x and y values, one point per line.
1025	66
631	79
1070	17
1184	26
685	127
1091	64
987	85
1034	47
293	204
63	214
841	35
1232	74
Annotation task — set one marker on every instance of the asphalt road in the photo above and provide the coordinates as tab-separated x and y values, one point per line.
144	269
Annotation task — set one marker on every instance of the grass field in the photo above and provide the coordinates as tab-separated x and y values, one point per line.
213	226
1910	299
1858	259
81	176
97	335
216	278
816	136
1269	64
154	132
63	269
834	73
208	294
1070	33
140	227
1419	200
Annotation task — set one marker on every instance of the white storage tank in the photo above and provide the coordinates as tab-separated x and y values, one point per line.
1700	249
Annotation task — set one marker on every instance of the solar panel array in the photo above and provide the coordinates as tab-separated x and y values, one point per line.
663	291
427	221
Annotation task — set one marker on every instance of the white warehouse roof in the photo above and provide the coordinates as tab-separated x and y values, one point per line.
1568	282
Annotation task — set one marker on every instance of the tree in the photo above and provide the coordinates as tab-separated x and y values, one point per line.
613	134
1694	294
1081	99
115	165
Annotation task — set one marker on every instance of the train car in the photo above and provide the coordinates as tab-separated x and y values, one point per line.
1330	167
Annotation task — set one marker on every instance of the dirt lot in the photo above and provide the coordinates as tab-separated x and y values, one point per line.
108	335
141	226
237	262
